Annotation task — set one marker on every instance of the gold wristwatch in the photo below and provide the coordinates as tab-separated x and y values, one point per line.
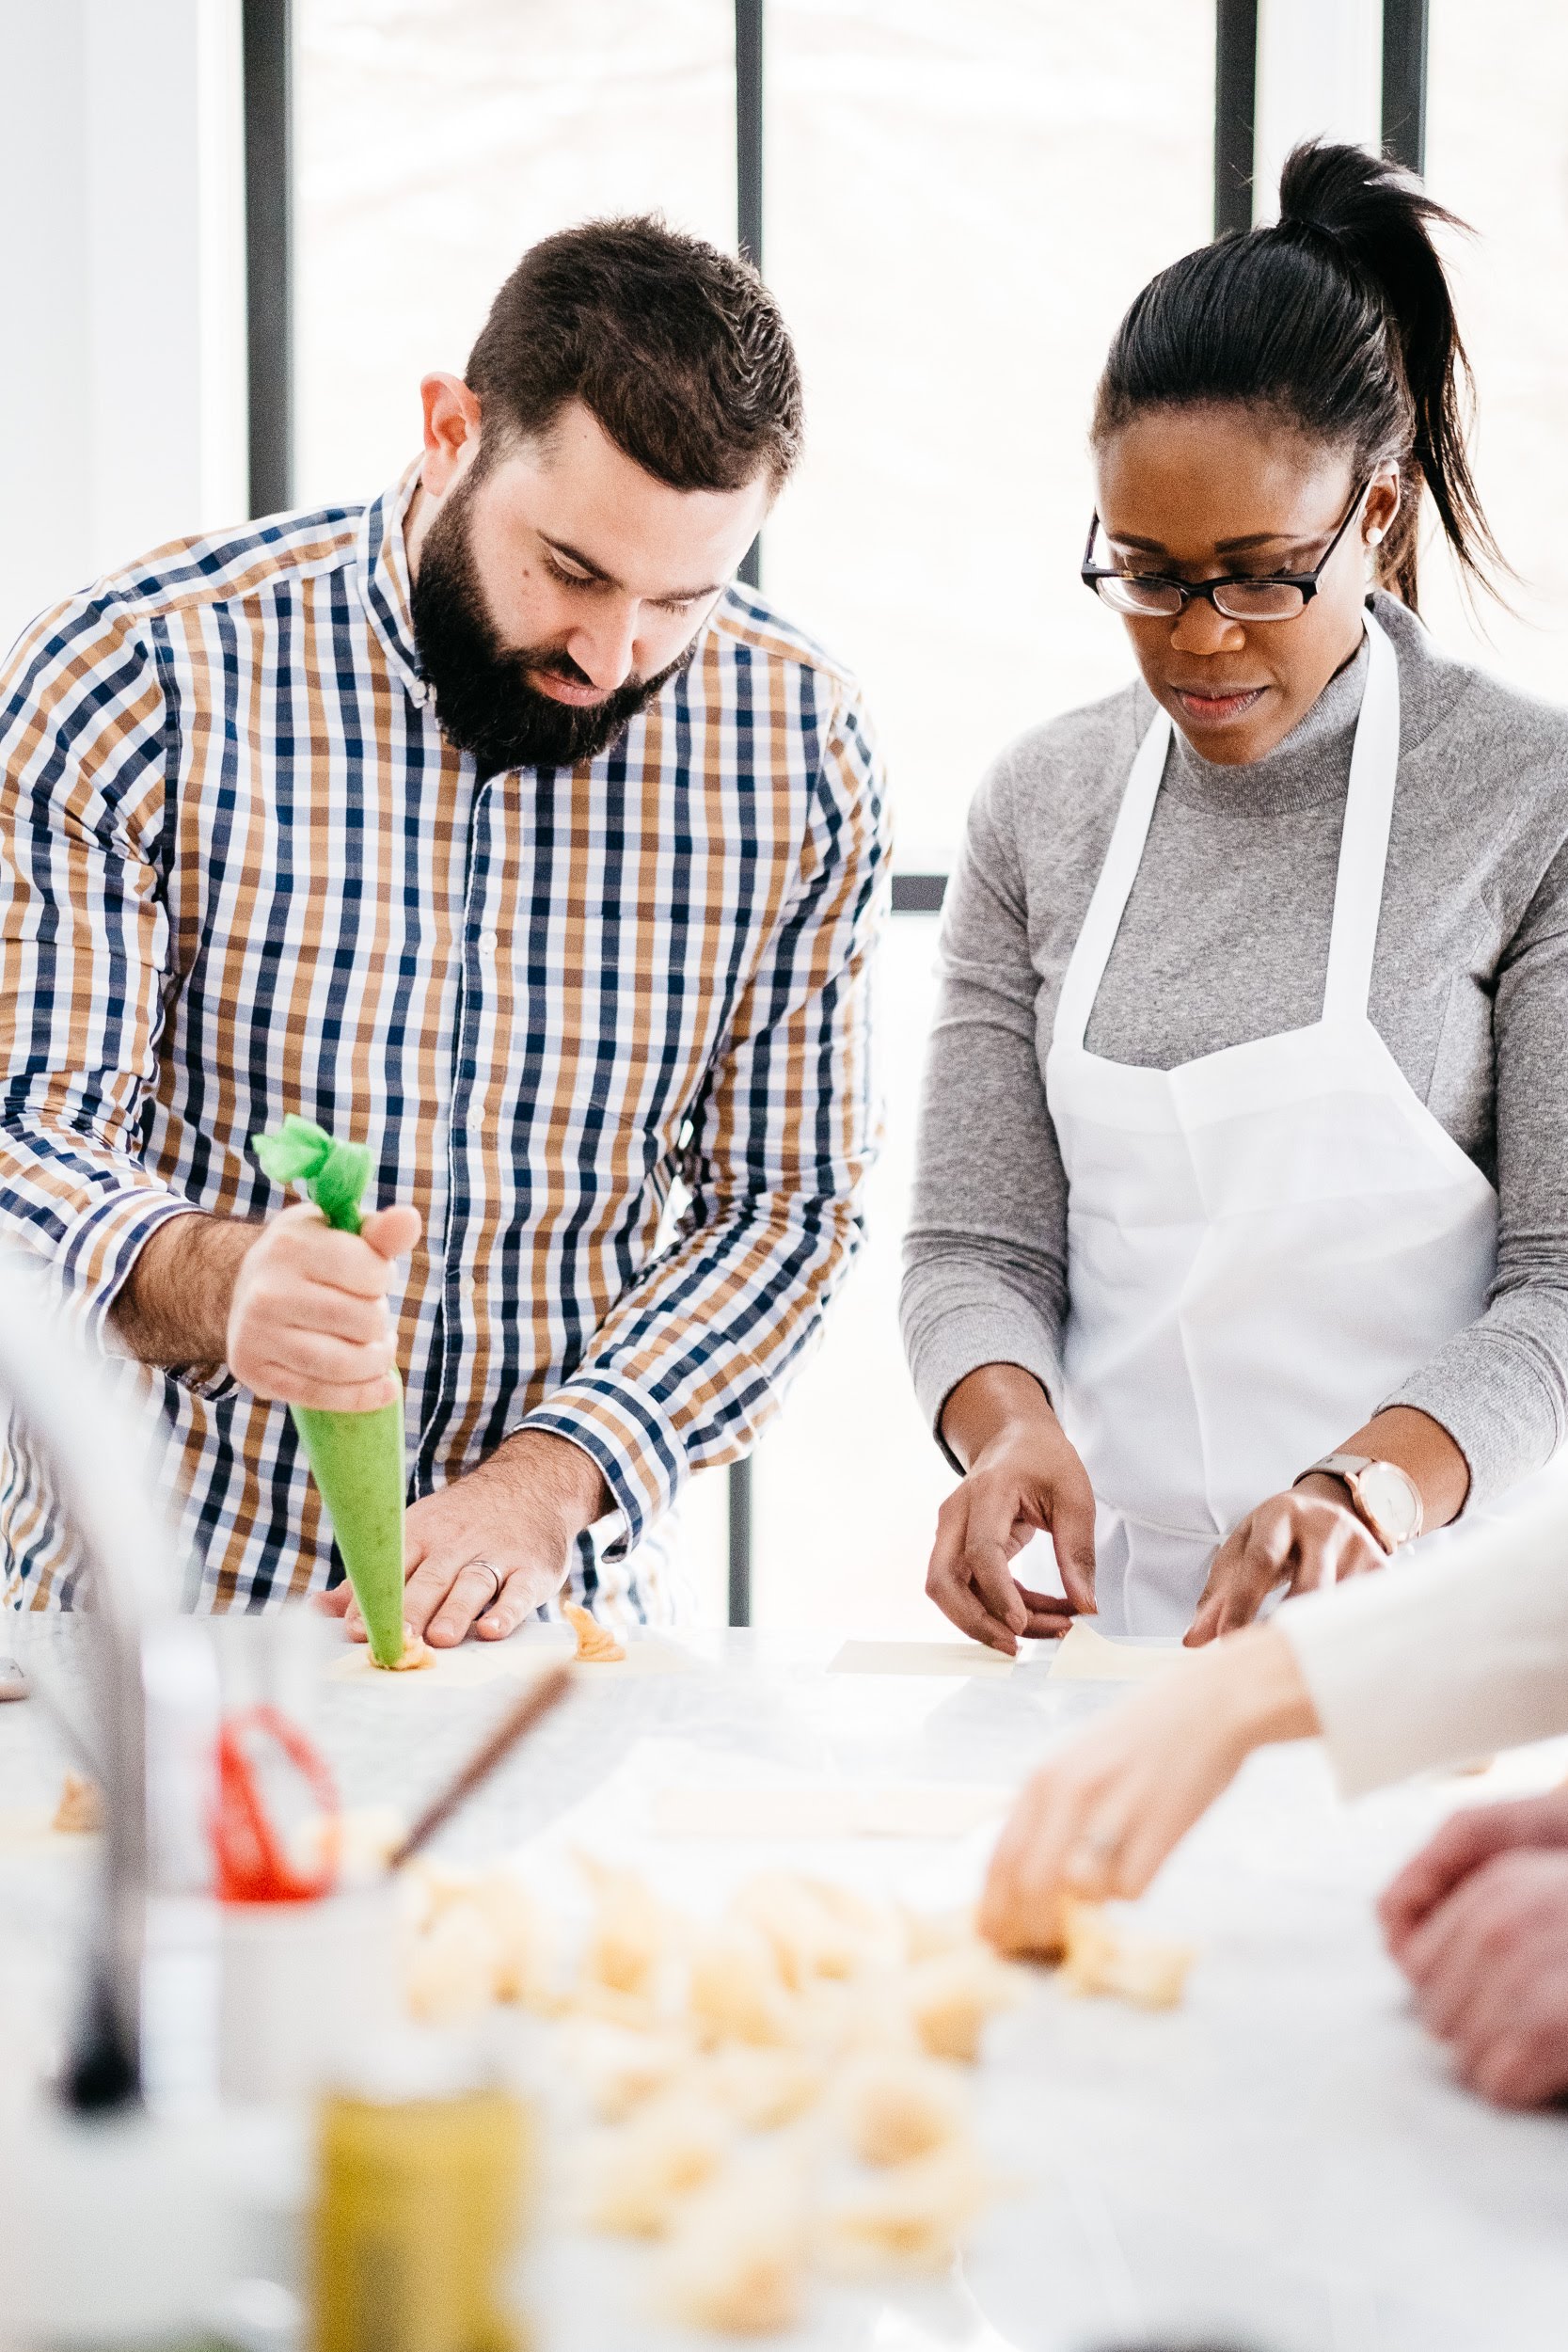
1384	1498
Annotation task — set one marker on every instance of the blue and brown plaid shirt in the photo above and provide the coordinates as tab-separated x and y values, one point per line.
243	873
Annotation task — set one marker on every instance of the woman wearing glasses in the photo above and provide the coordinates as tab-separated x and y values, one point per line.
1240	1248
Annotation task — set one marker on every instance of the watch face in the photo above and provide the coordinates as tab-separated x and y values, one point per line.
1390	1499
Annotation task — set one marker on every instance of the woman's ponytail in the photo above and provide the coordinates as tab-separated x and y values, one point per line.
1338	317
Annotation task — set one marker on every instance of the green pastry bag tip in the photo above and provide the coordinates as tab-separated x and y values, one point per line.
334	1174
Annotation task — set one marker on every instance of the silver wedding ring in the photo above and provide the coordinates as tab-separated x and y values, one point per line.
494	1572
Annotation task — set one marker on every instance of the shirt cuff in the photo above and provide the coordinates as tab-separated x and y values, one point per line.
100	1248
635	1444
1445	1655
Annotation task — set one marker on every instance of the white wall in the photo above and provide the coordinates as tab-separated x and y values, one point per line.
122	286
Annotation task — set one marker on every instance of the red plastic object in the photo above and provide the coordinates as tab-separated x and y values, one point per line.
254	1863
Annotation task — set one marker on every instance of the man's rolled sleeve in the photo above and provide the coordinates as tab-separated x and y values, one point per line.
83	947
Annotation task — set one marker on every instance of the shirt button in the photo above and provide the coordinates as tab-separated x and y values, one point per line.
487	943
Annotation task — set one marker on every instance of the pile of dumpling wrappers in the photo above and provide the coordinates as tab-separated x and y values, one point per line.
780	2090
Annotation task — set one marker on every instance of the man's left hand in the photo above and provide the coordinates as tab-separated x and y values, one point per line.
1490	1969
1298	1541
486	1551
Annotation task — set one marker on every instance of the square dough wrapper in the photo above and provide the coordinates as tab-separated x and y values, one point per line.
1084	1656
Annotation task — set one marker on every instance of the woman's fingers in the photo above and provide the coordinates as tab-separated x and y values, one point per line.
970	1577
1050	1616
1020	1907
1292	1539
1070	1517
1103	1813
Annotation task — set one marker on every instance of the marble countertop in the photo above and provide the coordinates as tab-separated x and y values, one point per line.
1282	2165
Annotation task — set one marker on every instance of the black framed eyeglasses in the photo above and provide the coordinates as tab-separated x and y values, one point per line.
1278	597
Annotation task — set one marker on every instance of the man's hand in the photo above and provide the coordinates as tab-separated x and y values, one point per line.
1465	1844
489	1550
1023	1475
1299	1540
1490	1970
308	1322
1100	1817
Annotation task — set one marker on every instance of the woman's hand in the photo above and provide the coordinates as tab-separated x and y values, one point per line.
1023	1477
1312	1537
1299	1540
1102	1816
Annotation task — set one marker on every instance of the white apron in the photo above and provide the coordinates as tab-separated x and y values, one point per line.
1262	1244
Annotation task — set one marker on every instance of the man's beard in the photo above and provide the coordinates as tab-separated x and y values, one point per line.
484	700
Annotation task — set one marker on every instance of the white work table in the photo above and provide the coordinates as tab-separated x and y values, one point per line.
1282	2165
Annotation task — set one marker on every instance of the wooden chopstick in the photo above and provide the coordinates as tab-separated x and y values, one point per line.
515	1725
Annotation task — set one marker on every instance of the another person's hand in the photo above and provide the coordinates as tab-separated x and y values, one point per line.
1294	1542
308	1322
486	1551
1102	1814
1490	1971
1465	1844
1023	1477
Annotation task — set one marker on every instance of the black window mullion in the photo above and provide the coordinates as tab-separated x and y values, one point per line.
1404	81
1235	112
267	47
748	181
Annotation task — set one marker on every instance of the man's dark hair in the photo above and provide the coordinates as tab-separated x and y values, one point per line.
678	350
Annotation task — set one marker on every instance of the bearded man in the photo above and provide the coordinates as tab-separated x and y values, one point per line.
491	825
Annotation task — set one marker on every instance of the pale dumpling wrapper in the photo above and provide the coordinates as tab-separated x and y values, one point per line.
631	2177
951	1997
1100	1959
525	1937
631	1929
762	2089
736	2258
634	2012
622	2070
895	2109
735	1991
928	1934
452	1971
910	2216
813	1932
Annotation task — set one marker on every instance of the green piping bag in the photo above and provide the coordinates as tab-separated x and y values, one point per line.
356	1457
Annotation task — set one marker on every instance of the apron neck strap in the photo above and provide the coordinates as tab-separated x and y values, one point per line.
1374	764
1363	856
1086	965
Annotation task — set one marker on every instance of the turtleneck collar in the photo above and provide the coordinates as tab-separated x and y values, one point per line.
1310	766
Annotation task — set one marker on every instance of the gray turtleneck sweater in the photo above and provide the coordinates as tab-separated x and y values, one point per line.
1225	938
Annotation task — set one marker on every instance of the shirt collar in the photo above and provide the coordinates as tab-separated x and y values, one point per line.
385	581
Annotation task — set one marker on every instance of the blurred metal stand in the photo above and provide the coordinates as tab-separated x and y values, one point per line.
148	2018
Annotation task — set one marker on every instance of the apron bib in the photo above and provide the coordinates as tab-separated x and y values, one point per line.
1263	1244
